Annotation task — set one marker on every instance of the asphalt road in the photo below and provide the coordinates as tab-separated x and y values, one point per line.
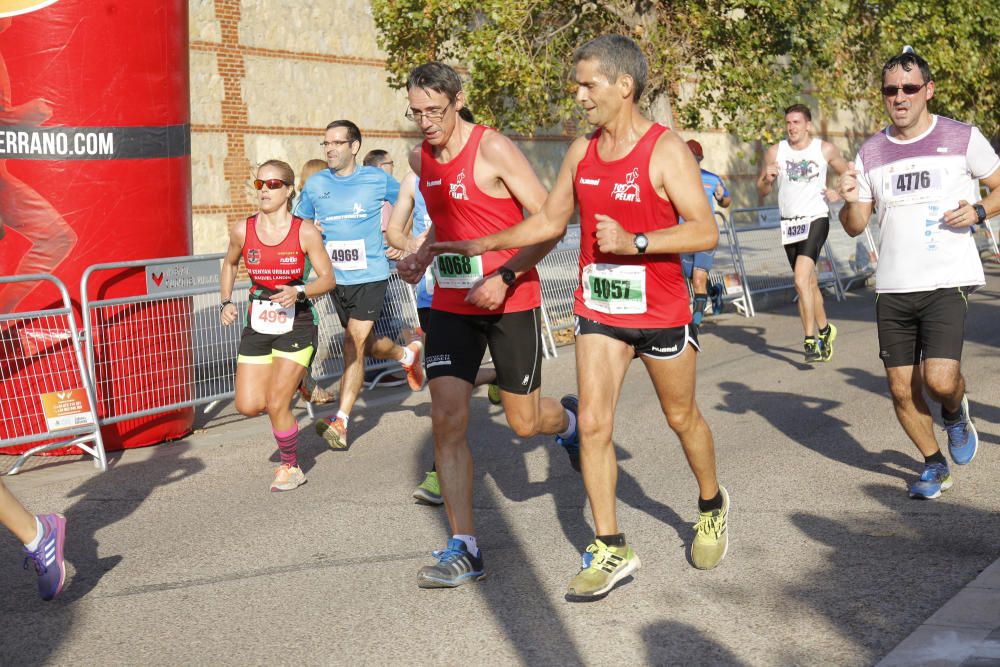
180	555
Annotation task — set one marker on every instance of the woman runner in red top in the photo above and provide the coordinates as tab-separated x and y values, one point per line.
280	325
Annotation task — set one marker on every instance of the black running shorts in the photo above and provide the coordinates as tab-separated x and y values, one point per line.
652	343
921	325
359	302
458	343
812	245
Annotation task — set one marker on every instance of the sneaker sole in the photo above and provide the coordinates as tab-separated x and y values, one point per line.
937	494
427	497
427	582
629	569
418	362
973	433
330	434
276	488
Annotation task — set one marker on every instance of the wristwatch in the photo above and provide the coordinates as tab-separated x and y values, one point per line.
301	289
641	243
222	306
507	276
980	213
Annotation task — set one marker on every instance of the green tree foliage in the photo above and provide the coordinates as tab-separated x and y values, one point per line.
713	63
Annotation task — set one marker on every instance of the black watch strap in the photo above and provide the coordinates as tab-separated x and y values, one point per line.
507	275
222	306
980	212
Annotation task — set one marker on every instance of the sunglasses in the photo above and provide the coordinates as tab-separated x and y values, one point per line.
907	88
271	183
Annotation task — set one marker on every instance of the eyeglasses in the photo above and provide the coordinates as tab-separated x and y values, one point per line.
327	144
432	116
271	183
907	88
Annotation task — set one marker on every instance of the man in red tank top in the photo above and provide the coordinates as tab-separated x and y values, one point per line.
631	179
475	182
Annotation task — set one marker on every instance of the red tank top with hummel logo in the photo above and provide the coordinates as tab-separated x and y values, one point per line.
621	189
459	211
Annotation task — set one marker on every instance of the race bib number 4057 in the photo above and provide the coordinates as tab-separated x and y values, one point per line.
614	289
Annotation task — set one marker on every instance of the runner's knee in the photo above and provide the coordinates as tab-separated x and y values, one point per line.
250	406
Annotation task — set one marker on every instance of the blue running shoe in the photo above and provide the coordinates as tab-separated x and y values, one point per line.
455	567
696	317
48	557
572	443
962	437
935	479
715	292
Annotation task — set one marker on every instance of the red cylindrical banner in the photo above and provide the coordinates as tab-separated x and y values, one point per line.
95	167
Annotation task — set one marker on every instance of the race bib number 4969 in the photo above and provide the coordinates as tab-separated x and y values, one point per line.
348	255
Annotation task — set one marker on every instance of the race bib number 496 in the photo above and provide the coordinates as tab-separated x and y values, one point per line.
614	289
269	317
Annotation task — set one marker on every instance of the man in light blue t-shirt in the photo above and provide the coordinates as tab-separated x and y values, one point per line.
345	202
697	265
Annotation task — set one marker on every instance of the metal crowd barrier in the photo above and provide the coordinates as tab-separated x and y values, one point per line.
47	397
559	272
731	273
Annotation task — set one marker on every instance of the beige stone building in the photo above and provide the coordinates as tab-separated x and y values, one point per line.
267	77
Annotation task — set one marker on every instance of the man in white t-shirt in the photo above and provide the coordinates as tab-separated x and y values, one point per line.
920	174
797	166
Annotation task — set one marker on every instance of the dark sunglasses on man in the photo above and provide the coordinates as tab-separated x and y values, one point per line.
907	88
271	183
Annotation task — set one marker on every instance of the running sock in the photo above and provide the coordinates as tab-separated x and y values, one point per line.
408	357
570	425
936	457
470	543
287	441
344	416
712	504
33	545
617	540
951	417
825	330
700	301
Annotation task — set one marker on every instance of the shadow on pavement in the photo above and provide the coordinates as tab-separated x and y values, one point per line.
673	643
893	570
102	500
805	420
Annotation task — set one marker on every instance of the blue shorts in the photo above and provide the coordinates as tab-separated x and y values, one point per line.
697	260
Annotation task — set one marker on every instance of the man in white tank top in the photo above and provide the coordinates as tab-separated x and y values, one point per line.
797	166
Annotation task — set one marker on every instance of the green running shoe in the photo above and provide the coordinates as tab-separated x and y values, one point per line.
601	567
826	342
711	539
493	393
429	490
812	351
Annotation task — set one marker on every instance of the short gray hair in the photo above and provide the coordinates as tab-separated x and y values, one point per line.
617	56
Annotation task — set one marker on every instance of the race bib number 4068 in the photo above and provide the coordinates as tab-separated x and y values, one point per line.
457	271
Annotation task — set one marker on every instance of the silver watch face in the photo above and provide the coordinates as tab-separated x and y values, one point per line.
641	241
